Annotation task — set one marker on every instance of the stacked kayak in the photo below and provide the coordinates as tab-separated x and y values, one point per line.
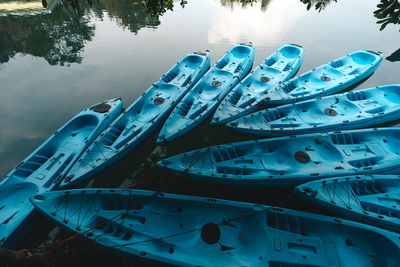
195	231
202	100
41	170
141	119
356	109
327	79
370	199
250	93
292	160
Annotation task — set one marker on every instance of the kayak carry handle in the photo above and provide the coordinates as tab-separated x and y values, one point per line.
296	45
375	53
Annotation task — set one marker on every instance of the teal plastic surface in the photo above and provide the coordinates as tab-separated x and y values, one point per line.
195	231
46	166
292	160
140	119
249	94
327	79
372	199
355	109
203	99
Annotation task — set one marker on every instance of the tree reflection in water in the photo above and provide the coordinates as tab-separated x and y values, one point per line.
59	37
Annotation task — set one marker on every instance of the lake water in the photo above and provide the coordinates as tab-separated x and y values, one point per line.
53	65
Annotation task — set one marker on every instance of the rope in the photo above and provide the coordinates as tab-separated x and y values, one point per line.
66	240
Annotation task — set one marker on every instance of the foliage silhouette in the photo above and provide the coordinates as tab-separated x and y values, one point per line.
388	13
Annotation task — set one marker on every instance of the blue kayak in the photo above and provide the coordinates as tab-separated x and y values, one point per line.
41	170
292	160
196	231
203	99
351	110
249	94
327	79
369	199
140	119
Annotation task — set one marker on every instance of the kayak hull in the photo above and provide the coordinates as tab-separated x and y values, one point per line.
204	97
248	95
371	199
140	119
181	230
287	161
327	79
46	167
356	109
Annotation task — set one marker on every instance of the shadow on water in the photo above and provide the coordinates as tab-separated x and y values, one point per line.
395	56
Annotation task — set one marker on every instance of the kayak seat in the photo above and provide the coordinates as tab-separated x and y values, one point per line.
367	187
356	96
113	132
285	222
363	58
30	165
291	52
171	75
392	94
289	86
367	202
337	63
272	114
234	60
192	61
240	52
185	106
248	100
235	96
197	111
73	134
270	61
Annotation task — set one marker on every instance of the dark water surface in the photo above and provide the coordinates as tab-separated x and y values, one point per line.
53	65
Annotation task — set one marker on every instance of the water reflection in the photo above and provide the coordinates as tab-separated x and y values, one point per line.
133	15
317	4
388	13
234	25
26	7
58	37
244	3
395	56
